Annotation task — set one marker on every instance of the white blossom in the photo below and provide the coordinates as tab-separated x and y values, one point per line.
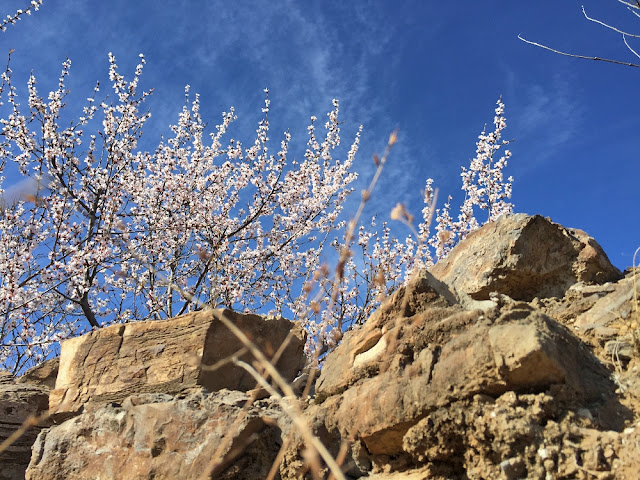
116	234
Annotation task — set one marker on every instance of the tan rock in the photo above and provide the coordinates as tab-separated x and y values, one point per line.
444	355
162	437
167	356
364	348
43	374
17	404
413	474
6	377
615	307
524	257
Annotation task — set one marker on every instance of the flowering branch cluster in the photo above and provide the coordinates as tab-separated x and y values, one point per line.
116	234
485	189
373	263
12	19
112	233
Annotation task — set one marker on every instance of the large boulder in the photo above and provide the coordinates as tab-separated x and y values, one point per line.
169	356
407	388
162	436
524	257
409	366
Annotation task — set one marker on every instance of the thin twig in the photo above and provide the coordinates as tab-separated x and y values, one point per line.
624	37
278	460
635	5
635	289
31	421
618	62
600	22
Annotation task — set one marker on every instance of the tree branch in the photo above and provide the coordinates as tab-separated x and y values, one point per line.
600	22
635	5
618	62
624	37
86	309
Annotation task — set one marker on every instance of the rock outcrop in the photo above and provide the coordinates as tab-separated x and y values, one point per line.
168	356
456	375
19	402
463	391
161	436
524	257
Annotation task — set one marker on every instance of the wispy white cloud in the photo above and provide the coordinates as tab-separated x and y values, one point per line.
545	116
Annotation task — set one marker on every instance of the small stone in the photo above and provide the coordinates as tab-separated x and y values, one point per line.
585	413
513	468
619	349
605	332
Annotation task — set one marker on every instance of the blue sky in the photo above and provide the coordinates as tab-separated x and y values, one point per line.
434	70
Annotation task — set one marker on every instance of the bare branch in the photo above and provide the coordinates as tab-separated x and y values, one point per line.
600	22
618	62
624	37
635	5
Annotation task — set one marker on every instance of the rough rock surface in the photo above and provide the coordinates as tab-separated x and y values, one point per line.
524	257
446	380
6	377
462	392
43	374
162	436
605	317
17	404
168	356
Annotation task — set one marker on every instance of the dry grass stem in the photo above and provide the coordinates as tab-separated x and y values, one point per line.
31	421
288	401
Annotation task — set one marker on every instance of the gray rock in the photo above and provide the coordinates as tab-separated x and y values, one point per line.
621	349
615	306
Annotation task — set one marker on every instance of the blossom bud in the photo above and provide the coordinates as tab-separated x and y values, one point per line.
393	138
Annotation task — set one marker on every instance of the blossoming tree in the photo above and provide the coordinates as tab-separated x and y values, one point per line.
109	232
116	234
381	262
19	14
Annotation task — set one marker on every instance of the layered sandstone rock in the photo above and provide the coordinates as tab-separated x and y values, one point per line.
43	374
18	403
439	356
168	356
